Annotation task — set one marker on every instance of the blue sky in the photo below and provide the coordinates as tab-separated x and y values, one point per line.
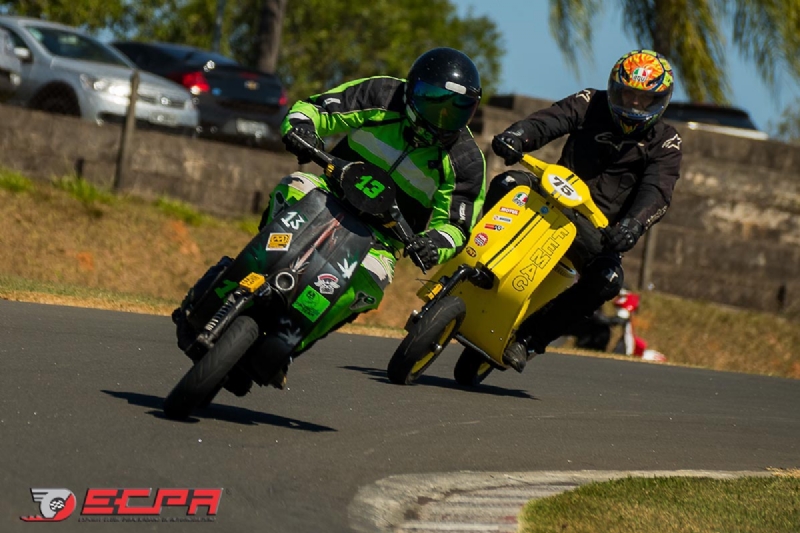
534	66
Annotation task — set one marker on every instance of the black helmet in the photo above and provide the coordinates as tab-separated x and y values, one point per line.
443	90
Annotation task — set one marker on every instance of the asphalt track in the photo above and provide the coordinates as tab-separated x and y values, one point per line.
81	390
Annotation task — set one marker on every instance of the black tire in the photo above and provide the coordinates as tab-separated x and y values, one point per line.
471	368
210	398
59	105
426	340
203	380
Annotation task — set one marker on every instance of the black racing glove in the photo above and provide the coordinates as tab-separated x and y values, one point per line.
307	132
509	146
423	251
623	236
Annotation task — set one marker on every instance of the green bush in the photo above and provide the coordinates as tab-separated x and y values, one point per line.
13	181
83	191
181	211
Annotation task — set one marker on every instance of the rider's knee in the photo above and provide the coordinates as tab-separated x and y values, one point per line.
288	191
301	182
604	276
505	182
380	270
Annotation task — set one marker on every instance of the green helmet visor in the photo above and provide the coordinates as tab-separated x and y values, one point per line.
448	109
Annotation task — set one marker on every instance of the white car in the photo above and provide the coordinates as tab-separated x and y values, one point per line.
67	72
9	67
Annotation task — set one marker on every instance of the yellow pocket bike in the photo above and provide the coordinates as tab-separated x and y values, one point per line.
511	266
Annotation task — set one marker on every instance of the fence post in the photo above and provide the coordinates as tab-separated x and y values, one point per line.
646	266
127	134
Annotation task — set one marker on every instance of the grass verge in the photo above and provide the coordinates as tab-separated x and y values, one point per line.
75	246
671	505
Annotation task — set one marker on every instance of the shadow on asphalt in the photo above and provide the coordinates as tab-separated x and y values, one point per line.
379	375
225	413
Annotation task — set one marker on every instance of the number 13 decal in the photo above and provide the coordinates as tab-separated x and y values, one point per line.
371	190
293	220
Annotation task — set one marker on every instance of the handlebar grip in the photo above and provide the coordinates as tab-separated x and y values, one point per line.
317	156
404	232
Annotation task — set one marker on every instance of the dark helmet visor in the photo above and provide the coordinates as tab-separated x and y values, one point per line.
444	108
637	103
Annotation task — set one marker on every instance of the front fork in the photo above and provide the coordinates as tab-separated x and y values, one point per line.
252	287
477	275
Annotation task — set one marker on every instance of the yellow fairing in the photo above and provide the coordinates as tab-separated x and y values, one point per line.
521	240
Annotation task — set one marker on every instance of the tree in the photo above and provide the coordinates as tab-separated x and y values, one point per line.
88	14
270	25
326	43
788	127
313	44
688	33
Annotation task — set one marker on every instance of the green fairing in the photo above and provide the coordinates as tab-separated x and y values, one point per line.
362	280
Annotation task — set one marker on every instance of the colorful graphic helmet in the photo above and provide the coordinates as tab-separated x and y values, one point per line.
639	89
443	90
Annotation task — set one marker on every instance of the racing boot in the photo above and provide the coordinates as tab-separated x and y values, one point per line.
238	382
279	379
523	349
533	336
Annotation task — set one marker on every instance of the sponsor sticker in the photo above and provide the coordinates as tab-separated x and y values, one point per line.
509	210
471	251
481	239
642	74
327	283
520	199
279	242
501	218
311	304
494	227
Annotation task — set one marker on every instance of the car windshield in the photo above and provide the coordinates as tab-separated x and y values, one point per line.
74	46
721	117
196	56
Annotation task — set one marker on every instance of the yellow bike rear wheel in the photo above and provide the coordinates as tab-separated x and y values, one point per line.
471	368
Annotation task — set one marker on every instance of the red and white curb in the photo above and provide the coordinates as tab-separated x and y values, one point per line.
476	501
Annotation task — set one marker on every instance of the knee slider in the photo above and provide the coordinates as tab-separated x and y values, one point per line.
604	276
512	178
503	183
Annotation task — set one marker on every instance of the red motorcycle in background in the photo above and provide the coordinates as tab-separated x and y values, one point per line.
595	332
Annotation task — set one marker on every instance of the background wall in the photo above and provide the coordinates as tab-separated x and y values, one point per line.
731	236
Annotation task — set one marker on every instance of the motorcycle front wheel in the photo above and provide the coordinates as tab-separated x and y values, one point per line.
426	339
207	375
471	368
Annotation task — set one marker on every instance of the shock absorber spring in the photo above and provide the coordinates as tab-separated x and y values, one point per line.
220	314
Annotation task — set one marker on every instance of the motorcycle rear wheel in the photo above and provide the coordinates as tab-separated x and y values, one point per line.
426	340
471	368
203	380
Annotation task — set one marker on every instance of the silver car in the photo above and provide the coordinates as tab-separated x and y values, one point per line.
67	72
9	67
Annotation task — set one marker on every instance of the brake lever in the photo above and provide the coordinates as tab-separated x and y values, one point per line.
317	156
403	231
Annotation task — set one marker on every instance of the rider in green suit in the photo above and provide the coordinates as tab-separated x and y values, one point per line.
415	129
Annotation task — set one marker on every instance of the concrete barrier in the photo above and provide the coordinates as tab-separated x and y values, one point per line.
731	236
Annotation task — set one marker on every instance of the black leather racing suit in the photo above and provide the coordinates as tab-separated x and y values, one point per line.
628	176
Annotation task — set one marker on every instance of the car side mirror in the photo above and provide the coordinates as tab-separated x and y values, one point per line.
23	54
